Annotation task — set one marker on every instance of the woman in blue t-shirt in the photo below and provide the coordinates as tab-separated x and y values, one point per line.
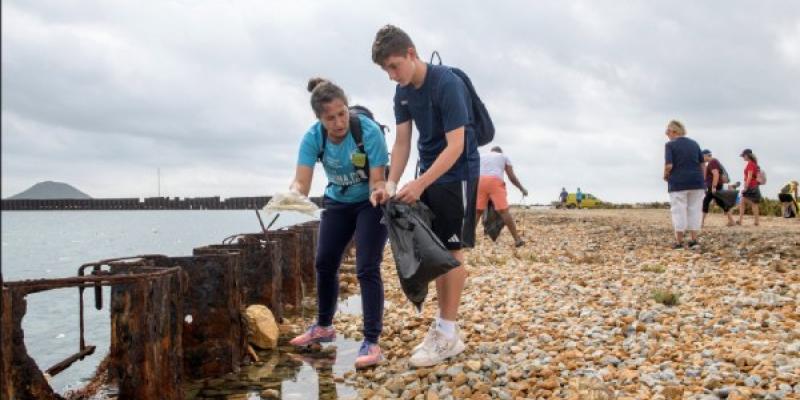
350	210
683	171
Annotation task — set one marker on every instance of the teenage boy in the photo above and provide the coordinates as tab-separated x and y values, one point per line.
438	103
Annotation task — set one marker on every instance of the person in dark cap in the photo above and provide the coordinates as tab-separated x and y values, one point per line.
715	177
751	195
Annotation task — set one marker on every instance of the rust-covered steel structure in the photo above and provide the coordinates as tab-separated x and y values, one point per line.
259	268
172	318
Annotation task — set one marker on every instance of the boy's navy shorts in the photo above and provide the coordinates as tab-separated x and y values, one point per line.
453	205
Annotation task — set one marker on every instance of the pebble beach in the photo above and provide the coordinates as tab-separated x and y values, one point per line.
596	305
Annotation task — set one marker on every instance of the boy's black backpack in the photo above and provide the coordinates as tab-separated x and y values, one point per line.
358	137
484	128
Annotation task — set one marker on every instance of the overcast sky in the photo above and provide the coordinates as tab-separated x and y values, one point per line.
100	94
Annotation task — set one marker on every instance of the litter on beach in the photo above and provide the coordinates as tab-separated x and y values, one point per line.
290	201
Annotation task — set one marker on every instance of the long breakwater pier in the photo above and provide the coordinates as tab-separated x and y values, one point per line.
135	203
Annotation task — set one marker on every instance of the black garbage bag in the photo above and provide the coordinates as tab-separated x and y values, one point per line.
728	197
419	255
492	222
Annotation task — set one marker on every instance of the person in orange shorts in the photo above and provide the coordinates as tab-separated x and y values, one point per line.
492	187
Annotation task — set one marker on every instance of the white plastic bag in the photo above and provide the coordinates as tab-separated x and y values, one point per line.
291	201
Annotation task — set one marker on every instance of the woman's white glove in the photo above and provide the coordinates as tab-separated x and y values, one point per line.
391	188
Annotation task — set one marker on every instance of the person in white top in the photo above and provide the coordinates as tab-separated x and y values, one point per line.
492	187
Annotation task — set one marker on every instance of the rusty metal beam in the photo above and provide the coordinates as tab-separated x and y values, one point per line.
67	362
38	285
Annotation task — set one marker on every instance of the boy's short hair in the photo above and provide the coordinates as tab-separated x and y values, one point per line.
390	41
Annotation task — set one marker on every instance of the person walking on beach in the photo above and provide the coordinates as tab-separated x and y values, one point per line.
714	173
491	186
347	212
563	197
751	195
439	104
579	197
683	171
788	199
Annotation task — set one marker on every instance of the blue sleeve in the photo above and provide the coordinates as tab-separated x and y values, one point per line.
667	154
401	113
374	143
309	147
453	100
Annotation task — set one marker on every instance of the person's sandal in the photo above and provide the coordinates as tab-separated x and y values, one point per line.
676	246
519	243
693	244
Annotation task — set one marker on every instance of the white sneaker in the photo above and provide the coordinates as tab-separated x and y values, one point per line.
436	348
427	338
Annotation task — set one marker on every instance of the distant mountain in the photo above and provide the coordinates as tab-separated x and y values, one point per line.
50	190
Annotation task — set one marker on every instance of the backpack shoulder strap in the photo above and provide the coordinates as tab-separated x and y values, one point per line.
355	130
358	137
324	133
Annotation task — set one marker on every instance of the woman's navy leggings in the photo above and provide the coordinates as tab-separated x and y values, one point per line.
339	223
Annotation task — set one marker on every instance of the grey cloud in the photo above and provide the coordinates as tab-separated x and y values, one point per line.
214	93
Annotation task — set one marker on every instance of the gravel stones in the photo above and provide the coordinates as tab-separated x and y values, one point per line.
571	313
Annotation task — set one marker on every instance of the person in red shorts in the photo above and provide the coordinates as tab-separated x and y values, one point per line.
492	187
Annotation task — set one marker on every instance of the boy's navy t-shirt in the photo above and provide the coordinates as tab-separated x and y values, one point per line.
686	157
440	105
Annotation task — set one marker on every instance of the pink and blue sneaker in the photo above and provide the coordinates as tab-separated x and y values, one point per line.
369	355
315	334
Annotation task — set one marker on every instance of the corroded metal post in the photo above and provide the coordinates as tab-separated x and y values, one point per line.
21	377
145	354
5	341
308	233
291	276
215	341
260	269
146	370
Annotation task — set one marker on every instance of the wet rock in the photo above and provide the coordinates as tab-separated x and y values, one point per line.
261	326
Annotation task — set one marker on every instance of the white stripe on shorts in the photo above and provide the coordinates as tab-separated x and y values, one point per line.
464	197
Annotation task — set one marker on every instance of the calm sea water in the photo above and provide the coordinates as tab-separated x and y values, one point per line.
53	244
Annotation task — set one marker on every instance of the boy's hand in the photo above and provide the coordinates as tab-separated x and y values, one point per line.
411	192
378	196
